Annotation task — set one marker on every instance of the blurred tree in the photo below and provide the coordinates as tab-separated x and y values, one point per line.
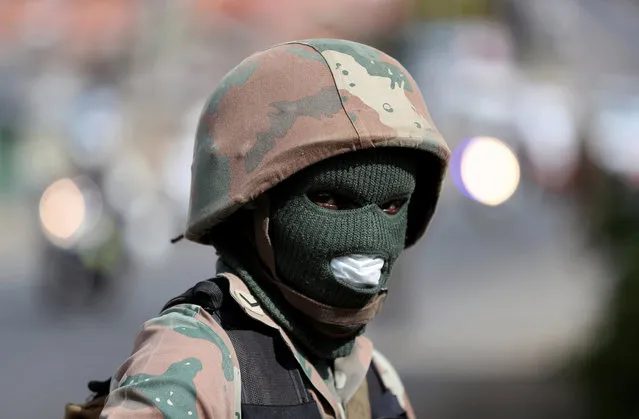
609	371
11	118
7	143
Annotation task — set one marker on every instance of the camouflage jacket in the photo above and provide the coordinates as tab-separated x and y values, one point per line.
183	365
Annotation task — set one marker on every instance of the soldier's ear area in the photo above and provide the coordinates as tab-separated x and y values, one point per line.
234	230
250	206
423	202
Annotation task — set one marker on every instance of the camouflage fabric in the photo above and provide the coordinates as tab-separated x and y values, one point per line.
296	104
184	366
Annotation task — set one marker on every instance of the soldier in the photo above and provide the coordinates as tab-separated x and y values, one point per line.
315	165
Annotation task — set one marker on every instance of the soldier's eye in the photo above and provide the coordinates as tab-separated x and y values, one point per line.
393	207
331	200
323	199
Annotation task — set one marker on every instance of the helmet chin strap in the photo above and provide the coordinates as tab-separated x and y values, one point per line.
326	318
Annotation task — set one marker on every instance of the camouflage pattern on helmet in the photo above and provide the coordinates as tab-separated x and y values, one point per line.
296	104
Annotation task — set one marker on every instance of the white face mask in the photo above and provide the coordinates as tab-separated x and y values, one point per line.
359	270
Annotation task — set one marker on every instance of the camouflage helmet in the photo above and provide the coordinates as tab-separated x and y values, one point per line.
295	104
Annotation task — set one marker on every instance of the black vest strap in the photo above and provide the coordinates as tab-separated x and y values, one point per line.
384	404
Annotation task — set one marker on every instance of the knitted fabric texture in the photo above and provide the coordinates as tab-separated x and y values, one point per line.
306	236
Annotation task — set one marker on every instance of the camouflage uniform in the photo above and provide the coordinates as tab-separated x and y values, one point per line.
330	97
184	366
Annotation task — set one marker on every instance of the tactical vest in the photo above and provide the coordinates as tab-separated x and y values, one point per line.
273	385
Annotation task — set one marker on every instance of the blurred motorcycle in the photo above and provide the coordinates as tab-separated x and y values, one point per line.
81	243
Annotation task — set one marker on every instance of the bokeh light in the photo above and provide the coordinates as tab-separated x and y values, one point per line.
486	170
62	211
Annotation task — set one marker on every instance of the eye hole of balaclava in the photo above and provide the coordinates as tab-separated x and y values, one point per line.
338	227
334	200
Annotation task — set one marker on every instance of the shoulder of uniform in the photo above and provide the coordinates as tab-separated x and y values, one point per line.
171	350
389	376
222	296
192	330
207	294
246	300
188	317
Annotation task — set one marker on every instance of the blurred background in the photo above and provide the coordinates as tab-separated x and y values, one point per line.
522	301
